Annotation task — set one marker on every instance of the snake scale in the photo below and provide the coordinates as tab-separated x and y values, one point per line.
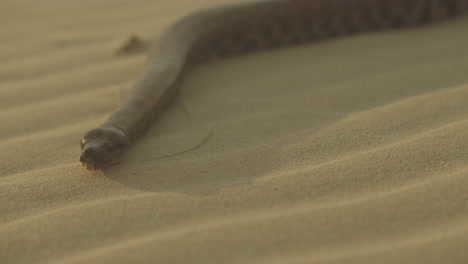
235	29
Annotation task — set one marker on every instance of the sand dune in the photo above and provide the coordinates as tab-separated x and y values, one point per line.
351	150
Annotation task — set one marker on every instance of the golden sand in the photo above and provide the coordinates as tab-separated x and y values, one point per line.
352	150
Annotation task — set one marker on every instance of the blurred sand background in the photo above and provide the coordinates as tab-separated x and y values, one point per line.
344	151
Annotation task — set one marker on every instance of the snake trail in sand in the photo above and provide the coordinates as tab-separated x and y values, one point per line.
236	29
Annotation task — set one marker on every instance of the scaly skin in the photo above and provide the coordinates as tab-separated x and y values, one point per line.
237	29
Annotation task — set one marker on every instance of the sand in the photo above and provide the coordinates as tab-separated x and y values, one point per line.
351	150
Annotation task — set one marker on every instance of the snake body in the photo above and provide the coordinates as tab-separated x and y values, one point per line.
235	29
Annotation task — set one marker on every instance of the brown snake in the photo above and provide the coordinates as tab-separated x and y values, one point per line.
237	29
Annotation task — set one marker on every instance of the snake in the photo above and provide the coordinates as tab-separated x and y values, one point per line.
235	29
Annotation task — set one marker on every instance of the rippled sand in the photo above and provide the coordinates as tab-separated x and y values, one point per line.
344	151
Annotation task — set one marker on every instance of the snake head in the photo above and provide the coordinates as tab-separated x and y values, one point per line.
103	146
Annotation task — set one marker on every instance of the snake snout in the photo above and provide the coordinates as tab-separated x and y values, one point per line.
101	147
89	158
89	152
